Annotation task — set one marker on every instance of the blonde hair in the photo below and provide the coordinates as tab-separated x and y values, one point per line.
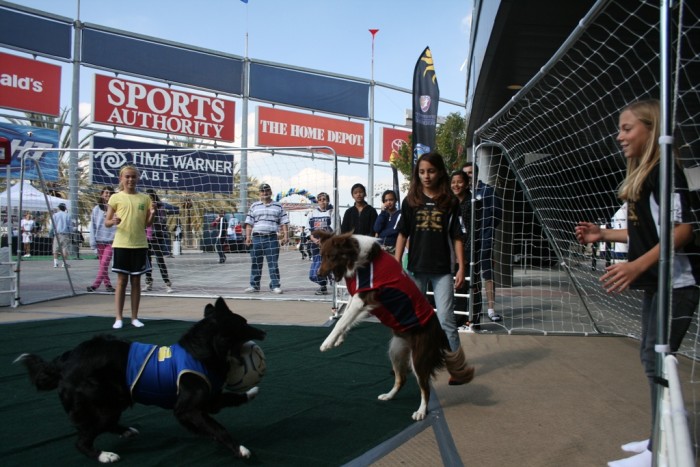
638	168
124	169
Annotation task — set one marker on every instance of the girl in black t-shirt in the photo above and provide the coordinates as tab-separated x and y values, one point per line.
430	221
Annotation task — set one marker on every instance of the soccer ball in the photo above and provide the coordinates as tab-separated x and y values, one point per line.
247	372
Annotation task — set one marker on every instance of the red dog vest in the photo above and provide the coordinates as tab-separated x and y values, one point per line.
402	305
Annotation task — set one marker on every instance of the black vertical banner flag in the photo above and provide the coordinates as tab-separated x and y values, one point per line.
426	96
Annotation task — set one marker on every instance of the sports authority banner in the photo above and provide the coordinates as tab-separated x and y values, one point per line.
29	85
162	167
130	104
426	95
28	137
393	139
281	128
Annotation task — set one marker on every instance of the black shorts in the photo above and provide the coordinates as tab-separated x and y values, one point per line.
131	261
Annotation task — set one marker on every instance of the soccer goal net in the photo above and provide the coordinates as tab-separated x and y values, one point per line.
553	157
205	196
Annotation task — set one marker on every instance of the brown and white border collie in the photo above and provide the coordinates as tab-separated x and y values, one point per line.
379	285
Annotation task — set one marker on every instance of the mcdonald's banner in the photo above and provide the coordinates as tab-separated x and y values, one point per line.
29	85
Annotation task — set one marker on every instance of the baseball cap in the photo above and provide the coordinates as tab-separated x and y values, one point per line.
265	186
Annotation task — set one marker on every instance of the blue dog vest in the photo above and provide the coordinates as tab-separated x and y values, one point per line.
153	373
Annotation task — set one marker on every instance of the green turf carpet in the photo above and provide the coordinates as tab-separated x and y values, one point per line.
314	409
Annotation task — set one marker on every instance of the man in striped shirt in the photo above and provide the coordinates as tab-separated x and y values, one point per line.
264	220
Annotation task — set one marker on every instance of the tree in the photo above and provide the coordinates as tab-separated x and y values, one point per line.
450	138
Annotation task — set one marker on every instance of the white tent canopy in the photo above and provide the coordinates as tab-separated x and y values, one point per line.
32	199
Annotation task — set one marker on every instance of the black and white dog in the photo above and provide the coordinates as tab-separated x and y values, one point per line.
380	286
103	376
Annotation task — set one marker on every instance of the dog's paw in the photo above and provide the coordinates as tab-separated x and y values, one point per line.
107	457
252	393
385	397
130	433
419	415
327	345
243	452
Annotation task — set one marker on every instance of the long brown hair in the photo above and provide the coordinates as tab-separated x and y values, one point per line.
638	168
444	199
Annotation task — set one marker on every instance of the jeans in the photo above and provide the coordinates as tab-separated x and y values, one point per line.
313	271
684	301
443	290
104	255
157	250
219	246
269	247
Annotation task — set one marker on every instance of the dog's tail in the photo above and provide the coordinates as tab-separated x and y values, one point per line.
44	375
457	366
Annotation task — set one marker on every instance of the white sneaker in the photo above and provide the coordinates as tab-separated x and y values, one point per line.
136	323
118	324
26	256
643	459
493	316
251	290
168	289
55	265
277	290
149	287
466	329
636	446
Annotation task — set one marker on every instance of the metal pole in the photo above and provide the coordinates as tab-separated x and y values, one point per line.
370	165
666	228
75	122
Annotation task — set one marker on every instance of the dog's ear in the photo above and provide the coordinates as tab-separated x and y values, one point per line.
322	235
220	305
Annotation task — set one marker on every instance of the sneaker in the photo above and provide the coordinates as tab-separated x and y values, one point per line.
136	323
26	256
251	290
55	265
636	446
109	289
149	286
321	291
168	289
277	290
91	288
495	317
467	328
65	265
118	324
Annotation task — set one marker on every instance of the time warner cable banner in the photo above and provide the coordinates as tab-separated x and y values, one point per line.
28	137
162	167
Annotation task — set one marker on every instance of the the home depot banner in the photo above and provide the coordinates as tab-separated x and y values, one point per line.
29	85
282	128
130	104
